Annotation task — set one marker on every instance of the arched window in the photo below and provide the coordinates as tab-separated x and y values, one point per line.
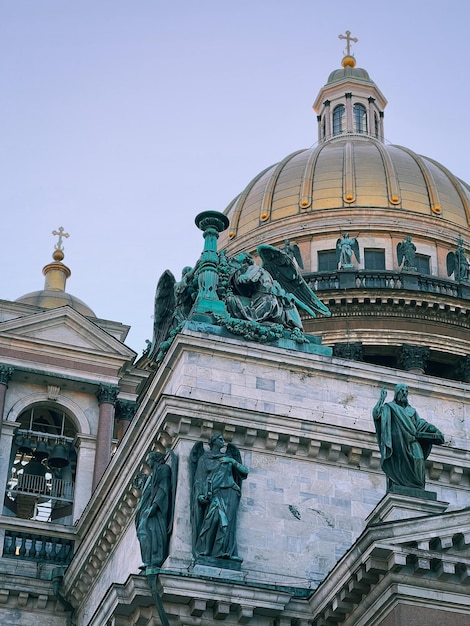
360	118
42	467
338	116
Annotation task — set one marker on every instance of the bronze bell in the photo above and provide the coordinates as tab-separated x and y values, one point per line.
58	457
41	451
25	446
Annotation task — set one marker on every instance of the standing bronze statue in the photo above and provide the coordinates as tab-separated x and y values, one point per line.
405	440
154	513
406	254
216	489
345	248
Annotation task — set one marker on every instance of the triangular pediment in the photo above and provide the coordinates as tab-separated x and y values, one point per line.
63	327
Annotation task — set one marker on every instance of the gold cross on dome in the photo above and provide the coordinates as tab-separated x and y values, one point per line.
348	41
60	233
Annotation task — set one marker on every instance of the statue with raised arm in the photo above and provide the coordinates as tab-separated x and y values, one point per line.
154	512
215	495
406	254
405	440
345	248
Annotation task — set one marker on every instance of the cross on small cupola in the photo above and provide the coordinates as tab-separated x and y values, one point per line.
348	59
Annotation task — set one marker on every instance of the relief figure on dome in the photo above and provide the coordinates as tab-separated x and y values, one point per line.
346	247
406	254
405	440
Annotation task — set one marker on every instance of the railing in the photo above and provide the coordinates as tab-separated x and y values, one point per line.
44	487
39	548
385	279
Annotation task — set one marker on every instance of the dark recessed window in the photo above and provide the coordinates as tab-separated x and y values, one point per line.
338	116
327	261
376	125
423	263
374	259
360	118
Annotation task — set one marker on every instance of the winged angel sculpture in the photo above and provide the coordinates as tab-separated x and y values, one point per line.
345	248
261	299
216	479
457	263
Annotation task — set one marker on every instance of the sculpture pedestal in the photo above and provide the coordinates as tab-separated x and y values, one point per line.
218	568
398	506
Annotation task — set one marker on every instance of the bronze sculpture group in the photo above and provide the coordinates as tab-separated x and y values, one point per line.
262	295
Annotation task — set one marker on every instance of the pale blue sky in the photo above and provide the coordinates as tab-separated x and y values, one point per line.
122	119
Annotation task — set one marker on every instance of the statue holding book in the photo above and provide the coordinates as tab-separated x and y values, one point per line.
405	440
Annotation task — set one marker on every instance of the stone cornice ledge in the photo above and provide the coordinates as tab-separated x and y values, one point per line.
364	576
200	600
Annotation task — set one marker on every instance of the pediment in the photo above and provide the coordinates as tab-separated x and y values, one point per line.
63	327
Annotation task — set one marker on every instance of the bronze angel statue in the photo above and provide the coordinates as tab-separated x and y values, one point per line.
216	479
345	248
173	303
154	512
457	263
406	254
272	292
293	251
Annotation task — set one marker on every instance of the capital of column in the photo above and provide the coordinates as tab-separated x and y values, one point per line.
6	372
351	351
125	410
413	357
107	394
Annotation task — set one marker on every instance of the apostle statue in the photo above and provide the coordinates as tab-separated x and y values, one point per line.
154	512
405	440
216	489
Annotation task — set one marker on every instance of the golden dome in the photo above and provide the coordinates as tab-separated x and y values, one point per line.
355	172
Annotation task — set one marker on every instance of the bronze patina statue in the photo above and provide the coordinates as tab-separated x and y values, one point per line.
457	263
405	440
406	254
154	513
216	489
345	248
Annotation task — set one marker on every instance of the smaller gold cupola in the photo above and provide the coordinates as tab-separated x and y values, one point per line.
350	102
56	273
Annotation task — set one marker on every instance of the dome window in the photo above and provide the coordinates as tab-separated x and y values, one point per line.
376	125
338	117
360	118
423	263
374	259
327	261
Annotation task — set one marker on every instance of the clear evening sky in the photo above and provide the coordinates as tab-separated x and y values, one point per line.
122	119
